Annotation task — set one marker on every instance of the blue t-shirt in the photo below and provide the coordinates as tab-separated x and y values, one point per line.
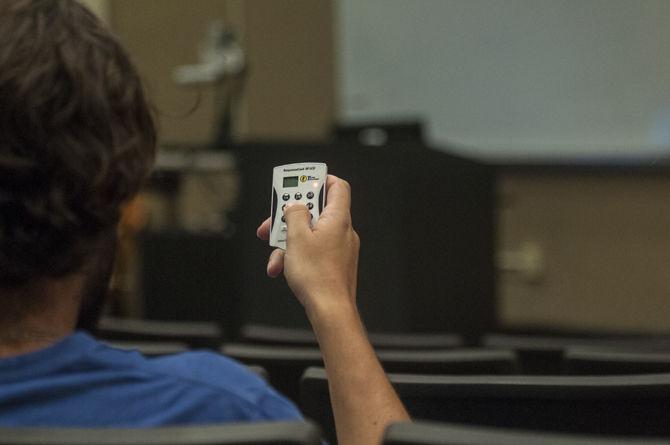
80	382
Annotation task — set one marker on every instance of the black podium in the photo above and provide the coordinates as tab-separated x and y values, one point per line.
426	222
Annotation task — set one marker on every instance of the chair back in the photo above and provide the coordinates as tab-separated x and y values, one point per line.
270	433
194	334
431	433
287	336
286	364
632	405
543	354
590	361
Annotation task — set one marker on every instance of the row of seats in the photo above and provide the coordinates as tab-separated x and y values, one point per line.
584	360
286	364
299	433
209	334
558	354
439	379
429	353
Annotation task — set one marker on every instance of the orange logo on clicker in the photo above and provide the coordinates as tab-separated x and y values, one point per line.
303	178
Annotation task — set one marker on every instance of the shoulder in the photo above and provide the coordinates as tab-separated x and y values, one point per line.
213	381
207	368
229	378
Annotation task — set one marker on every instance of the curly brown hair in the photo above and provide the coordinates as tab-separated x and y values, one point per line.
77	137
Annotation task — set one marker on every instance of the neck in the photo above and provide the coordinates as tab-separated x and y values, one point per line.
46	323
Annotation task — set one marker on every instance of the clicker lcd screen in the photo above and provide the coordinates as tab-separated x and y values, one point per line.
290	181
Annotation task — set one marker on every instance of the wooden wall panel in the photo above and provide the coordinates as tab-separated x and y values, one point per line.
604	240
291	85
160	35
289	92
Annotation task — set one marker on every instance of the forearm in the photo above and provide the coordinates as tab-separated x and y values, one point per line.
363	400
320	266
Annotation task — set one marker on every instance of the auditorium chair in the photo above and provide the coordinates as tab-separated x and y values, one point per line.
194	334
543	354
433	433
286	364
589	361
270	433
631	405
278	335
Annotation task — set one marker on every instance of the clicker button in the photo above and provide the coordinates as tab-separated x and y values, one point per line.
310	195
298	196
283	228
283	219
286	197
310	205
283	207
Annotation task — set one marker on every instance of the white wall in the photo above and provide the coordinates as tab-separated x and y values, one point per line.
543	78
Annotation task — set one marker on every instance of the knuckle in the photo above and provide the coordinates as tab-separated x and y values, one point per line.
295	208
355	240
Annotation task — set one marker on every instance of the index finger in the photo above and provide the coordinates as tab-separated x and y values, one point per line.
338	195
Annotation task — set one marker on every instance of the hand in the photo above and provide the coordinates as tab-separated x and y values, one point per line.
320	263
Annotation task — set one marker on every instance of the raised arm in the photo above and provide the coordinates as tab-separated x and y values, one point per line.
320	265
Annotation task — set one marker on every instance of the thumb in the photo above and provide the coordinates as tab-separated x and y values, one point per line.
297	220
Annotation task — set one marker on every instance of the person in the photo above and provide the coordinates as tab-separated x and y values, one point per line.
77	140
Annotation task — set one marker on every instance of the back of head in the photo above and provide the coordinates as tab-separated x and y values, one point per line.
76	137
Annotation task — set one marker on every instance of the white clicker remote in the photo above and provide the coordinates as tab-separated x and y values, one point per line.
304	183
